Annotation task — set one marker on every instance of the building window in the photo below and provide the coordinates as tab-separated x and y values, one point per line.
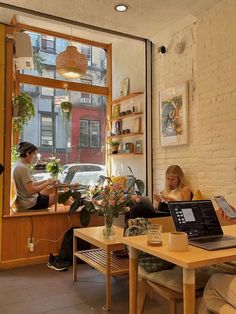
86	97
48	43
87	51
89	133
94	133
46	129
47	91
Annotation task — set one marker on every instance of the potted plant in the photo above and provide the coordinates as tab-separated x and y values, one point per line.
87	204
53	167
23	110
114	146
66	107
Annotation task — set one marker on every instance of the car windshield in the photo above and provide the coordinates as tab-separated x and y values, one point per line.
64	167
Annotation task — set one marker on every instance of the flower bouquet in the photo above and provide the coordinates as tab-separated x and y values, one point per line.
108	198
109	201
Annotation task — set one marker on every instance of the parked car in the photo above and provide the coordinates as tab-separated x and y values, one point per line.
84	174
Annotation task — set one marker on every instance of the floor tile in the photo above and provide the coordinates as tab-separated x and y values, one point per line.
38	289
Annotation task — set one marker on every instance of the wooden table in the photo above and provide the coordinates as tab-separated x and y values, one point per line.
101	258
189	261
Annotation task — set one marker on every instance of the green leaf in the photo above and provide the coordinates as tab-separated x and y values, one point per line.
76	195
62	198
74	206
89	206
84	217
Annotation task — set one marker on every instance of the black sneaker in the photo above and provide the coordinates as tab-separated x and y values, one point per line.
56	264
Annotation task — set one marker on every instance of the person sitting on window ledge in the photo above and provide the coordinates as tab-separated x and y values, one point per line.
30	195
175	189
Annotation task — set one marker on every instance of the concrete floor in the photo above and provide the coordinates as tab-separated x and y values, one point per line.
38	289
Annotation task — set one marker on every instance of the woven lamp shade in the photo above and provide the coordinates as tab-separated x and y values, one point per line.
71	63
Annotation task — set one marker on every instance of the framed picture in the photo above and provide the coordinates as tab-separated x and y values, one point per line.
174	115
124	87
138	149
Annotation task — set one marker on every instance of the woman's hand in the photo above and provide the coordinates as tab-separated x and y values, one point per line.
168	199
157	198
223	214
162	198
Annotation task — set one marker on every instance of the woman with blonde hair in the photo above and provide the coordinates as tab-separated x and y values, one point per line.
176	188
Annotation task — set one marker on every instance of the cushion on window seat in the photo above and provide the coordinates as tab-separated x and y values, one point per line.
197	196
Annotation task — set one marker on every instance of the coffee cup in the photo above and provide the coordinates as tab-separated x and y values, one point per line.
178	241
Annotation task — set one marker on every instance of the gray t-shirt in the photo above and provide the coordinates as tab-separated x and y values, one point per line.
22	175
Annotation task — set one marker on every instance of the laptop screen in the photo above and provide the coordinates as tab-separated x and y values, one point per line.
196	218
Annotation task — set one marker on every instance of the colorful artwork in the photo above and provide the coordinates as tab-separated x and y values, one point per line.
173	115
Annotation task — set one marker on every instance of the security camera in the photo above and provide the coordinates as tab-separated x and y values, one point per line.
162	49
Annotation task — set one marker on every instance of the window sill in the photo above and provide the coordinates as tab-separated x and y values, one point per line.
51	211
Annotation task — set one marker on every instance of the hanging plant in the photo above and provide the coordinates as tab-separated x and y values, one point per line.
66	107
23	110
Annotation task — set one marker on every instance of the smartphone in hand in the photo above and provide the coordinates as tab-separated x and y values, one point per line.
220	200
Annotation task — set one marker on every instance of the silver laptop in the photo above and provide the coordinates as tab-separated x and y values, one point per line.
199	220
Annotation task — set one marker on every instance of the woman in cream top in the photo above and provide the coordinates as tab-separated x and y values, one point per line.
175	186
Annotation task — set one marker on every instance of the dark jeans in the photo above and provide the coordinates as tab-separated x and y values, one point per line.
140	210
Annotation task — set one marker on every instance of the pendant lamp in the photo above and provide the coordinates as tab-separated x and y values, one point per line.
71	63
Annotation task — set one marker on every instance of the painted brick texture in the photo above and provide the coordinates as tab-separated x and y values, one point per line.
209	64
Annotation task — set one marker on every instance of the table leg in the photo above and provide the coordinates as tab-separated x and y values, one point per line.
133	280
75	241
189	290
108	280
56	198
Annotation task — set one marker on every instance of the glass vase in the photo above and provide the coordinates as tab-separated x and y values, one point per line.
109	230
54	176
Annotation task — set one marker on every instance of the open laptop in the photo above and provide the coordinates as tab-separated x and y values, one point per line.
199	220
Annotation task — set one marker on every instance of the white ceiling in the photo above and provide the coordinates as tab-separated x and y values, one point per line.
144	18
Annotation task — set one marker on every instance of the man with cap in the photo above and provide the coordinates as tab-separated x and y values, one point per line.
30	195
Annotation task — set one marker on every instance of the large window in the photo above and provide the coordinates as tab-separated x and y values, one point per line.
47	47
70	137
89	133
55	131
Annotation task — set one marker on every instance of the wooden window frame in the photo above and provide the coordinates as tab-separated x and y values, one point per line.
12	87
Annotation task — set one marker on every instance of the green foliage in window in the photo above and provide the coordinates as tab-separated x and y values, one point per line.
23	110
14	155
38	62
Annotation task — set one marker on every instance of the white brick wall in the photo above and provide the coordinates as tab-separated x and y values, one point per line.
209	64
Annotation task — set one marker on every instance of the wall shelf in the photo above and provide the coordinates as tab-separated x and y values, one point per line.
124	98
124	135
126	154
132	115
